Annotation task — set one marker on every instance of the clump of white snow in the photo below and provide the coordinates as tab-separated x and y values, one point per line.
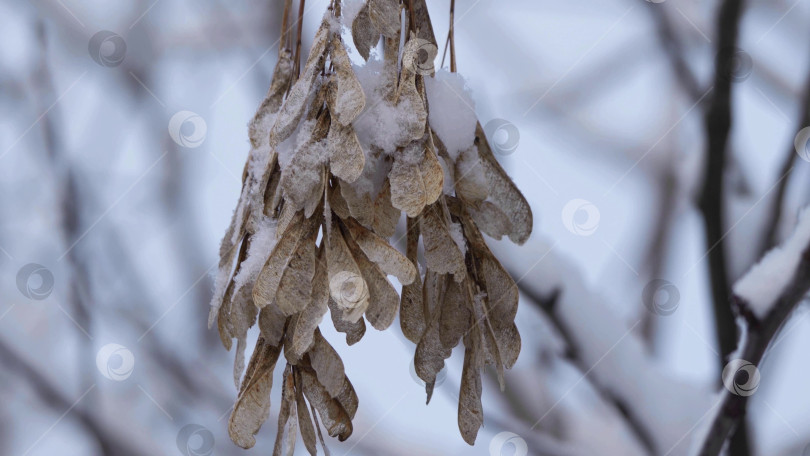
262	244
452	111
766	281
381	123
458	236
349	10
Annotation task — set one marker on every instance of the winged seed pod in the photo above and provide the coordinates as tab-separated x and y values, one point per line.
338	152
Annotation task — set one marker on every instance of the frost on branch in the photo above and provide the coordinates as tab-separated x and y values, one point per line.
338	152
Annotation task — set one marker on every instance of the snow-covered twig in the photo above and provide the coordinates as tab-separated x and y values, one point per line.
548	305
614	358
766	295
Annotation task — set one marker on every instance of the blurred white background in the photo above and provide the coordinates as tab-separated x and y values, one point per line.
128	222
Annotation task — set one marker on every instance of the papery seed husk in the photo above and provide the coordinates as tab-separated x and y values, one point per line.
411	314
380	252
293	108
455	318
309	319
282	76
333	415
343	271
327	365
470	410
287	429
271	323
350	99
253	405
430	353
354	330
386	216
364	33
346	157
407	188
360	205
503	191
442	255
295	287
383	297
348	398
422	24
385	15
336	201
490	219
470	181
304	419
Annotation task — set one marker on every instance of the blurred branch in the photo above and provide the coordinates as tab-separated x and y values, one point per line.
657	250
718	120
760	335
711	203
108	442
547	304
674	49
70	208
769	238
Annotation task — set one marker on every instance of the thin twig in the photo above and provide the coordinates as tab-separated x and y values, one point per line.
47	392
775	216
760	335
452	37
711	203
547	305
297	55
718	119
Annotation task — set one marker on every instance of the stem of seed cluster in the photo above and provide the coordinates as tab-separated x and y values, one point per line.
412	25
452	37
297	66
284	42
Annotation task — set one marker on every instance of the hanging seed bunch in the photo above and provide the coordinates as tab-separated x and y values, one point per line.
338	152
